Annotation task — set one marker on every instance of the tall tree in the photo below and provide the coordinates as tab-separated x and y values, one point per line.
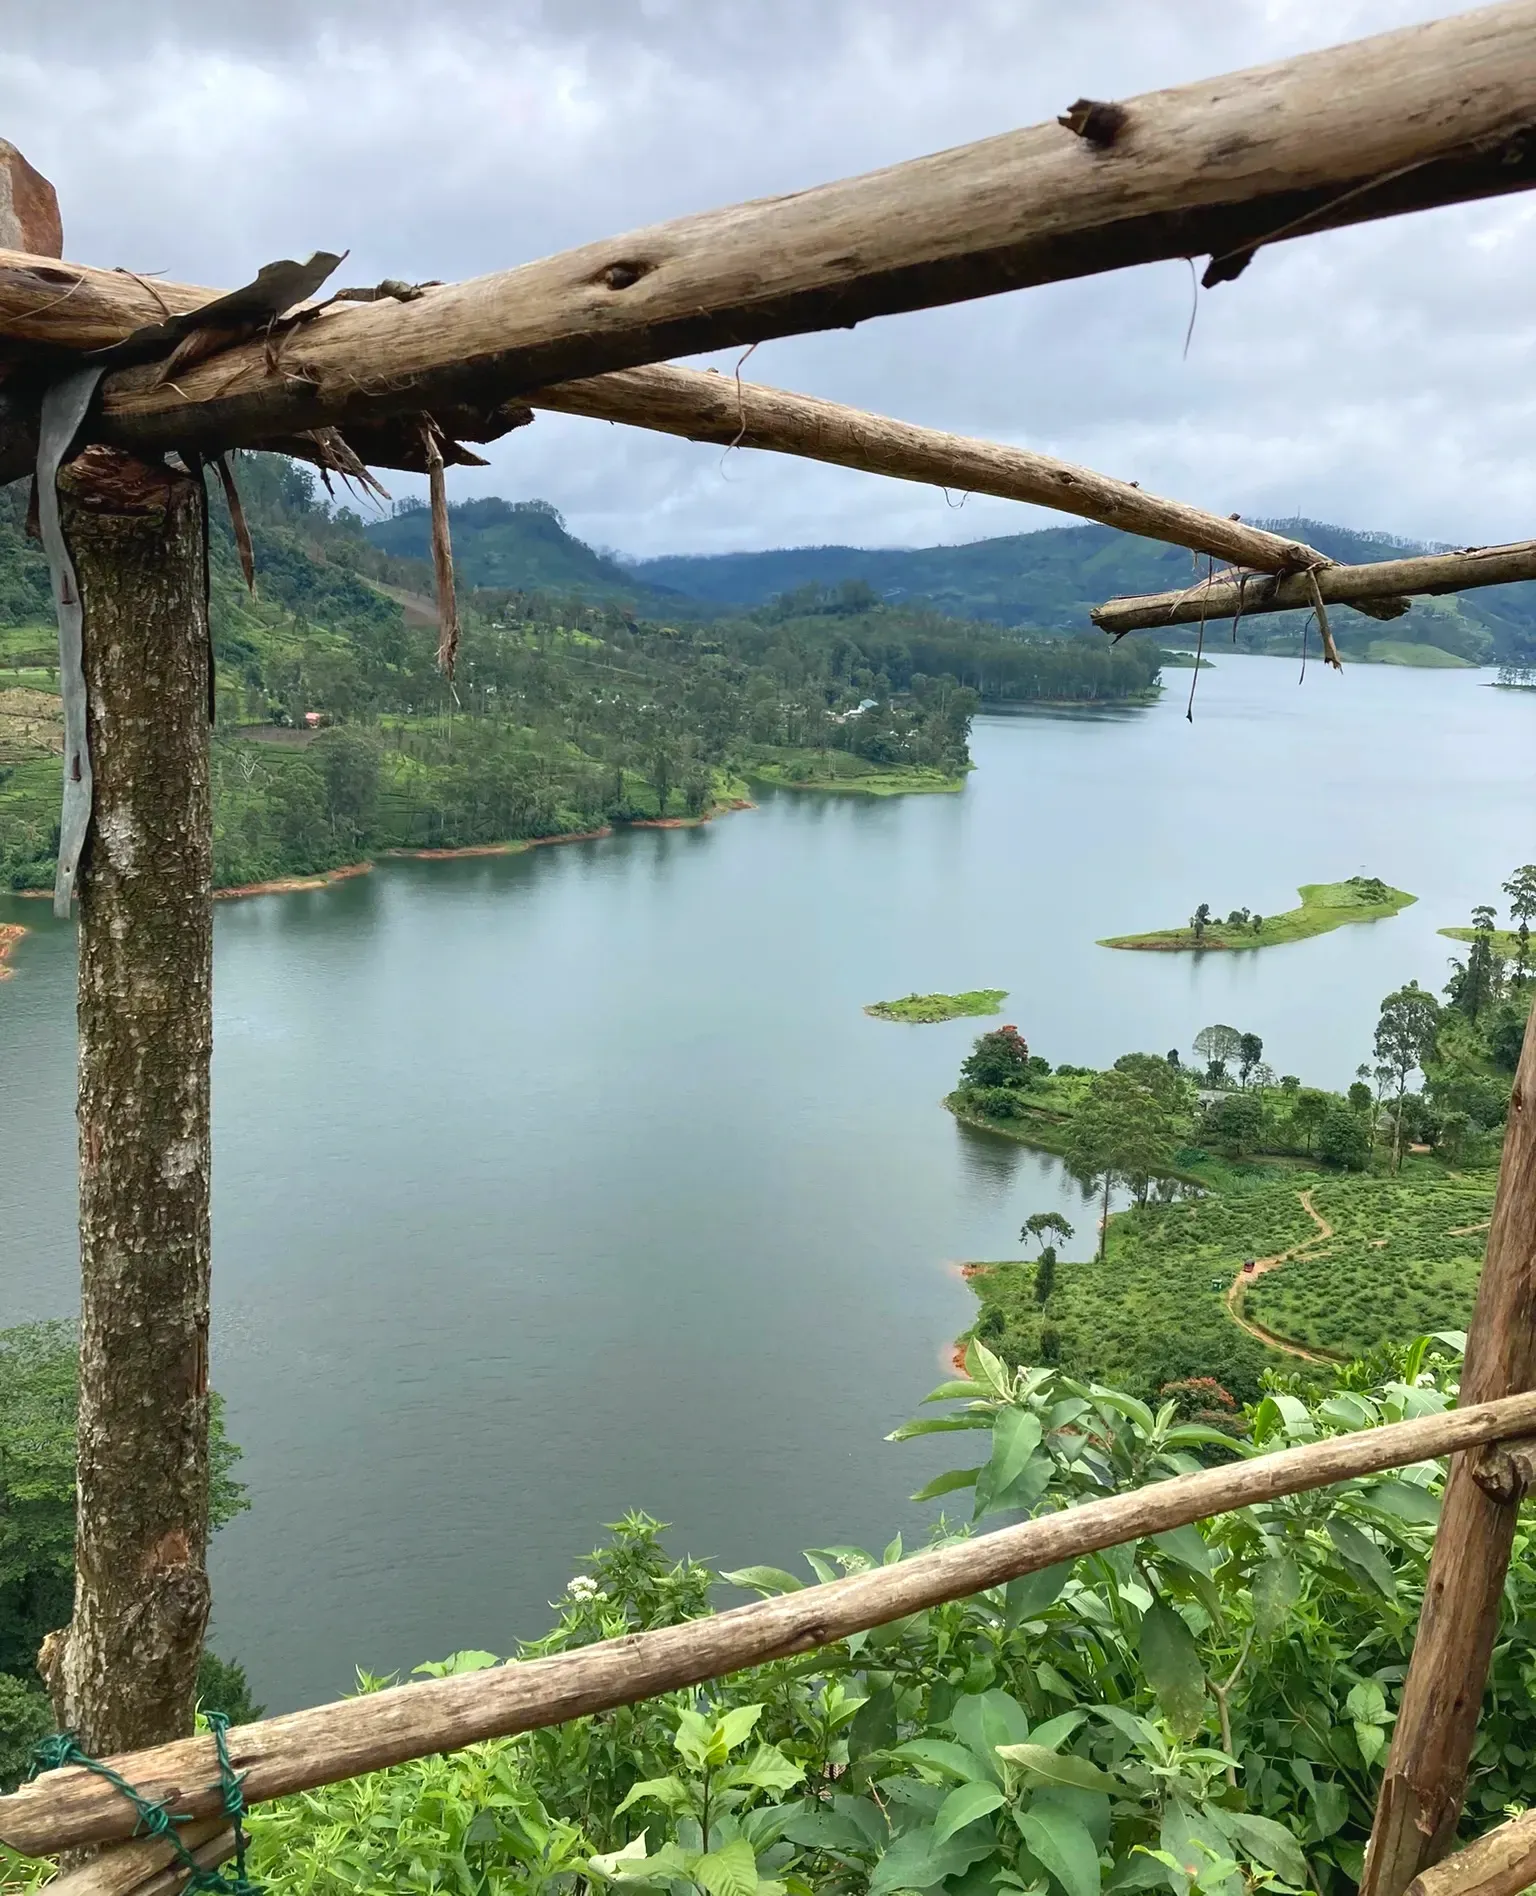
1405	1037
1041	1225
1475	981
1216	1045
1121	1133
1521	890
1250	1051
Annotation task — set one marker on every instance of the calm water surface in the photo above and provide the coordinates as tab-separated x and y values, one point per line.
552	1185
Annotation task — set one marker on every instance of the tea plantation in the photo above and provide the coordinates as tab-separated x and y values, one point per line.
1402	1259
1403	1262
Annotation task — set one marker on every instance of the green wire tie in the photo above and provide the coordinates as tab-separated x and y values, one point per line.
154	1820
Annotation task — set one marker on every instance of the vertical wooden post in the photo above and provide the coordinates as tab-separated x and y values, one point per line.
123	1673
1426	1775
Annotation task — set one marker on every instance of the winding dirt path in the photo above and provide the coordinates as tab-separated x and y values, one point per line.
1240	1283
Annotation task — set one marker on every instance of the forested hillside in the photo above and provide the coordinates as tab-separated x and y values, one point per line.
337	736
1042	584
1052	579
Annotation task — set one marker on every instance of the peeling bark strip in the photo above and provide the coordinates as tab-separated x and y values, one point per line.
327	1743
123	1674
29	208
1426	1774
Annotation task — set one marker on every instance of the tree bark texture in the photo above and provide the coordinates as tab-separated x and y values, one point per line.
1428	115
326	1743
1426	1774
123	1673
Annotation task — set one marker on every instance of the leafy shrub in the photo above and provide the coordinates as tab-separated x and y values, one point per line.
1344	1139
1051	1734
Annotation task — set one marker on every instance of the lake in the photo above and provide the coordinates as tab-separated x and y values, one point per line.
553	1185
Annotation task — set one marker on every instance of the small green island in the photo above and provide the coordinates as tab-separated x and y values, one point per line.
1324	905
923	1008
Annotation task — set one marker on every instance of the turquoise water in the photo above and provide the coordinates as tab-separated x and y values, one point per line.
552	1185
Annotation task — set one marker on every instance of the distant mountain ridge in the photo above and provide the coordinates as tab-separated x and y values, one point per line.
1043	581
1052	577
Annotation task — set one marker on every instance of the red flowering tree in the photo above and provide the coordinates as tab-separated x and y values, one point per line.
1000	1058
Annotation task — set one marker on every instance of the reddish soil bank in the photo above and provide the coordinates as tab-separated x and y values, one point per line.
291	885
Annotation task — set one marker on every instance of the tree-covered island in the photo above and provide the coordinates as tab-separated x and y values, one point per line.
1324	906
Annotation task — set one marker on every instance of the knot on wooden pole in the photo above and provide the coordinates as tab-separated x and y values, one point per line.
1099	121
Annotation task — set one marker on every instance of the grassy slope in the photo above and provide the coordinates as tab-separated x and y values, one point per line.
1153	1310
841	771
1423	657
1505	941
925	1008
1324	906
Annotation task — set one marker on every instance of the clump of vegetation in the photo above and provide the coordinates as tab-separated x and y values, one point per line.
1324	906
934	1007
1510	944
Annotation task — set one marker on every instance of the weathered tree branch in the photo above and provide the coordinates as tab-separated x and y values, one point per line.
326	1743
717	408
1381	585
1426	1773
1428	115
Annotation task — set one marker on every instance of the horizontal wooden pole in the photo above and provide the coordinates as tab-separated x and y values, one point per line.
1424	116
1502	1863
68	1808
1358	586
717	408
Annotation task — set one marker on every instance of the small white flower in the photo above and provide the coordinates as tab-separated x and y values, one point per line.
583	1587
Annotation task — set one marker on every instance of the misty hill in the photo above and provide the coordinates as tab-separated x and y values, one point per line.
518	545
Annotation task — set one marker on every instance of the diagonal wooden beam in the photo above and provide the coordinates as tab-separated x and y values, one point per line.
708	407
1377	589
1428	115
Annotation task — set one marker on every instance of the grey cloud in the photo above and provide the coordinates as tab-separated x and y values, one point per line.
1374	376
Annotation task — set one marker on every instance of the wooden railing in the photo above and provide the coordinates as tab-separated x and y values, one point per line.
67	1809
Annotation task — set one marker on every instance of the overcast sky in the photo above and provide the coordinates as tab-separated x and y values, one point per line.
1379	377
